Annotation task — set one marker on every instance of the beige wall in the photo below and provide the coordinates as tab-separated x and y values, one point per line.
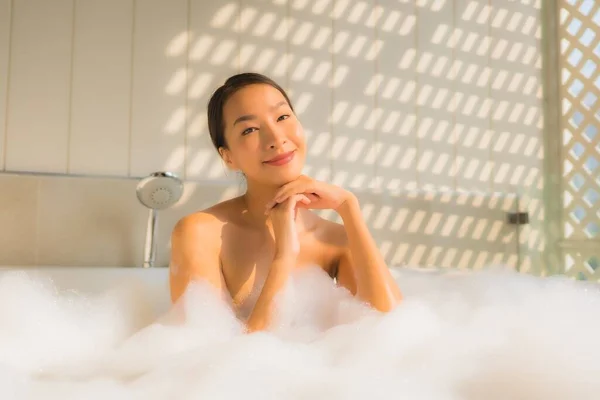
68	220
83	221
411	95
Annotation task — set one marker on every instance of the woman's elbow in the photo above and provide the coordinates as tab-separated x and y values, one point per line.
389	303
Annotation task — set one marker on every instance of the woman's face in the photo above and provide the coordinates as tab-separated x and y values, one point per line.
260	129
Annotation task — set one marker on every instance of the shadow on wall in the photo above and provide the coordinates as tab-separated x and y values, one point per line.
100	222
394	95
450	230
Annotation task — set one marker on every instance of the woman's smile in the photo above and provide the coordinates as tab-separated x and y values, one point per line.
281	159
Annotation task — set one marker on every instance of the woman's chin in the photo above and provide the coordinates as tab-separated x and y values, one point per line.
282	176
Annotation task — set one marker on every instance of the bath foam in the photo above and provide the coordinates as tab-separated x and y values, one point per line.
491	334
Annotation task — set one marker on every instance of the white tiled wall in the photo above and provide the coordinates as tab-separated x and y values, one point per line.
99	131
435	94
39	86
5	13
393	94
159	83
83	221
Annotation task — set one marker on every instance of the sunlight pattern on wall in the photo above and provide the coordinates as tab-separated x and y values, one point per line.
434	100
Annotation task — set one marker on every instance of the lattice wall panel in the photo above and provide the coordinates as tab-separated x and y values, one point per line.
580	91
583	266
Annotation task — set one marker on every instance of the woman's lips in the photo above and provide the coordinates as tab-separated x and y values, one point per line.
281	159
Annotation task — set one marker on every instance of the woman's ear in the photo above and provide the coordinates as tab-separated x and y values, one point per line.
226	156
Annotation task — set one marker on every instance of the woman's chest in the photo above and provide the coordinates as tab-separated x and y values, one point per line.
245	262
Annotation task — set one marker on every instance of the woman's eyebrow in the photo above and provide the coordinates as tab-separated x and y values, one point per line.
251	116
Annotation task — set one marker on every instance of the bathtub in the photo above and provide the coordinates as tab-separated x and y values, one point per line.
98	279
457	335
92	281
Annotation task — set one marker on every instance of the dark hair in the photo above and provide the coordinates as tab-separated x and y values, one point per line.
216	125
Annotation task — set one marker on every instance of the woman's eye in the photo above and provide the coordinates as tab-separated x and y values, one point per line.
281	118
247	131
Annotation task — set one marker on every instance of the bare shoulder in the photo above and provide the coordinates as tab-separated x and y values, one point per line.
201	227
204	222
331	233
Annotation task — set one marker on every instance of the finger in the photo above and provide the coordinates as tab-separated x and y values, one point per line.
304	202
269	207
313	196
276	196
298	200
284	189
296	186
280	197
284	194
293	201
302	198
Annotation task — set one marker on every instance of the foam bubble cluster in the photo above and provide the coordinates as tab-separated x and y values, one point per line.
492	334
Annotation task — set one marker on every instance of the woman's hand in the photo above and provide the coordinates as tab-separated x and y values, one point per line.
321	195
283	218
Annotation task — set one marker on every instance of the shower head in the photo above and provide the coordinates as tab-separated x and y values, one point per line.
159	190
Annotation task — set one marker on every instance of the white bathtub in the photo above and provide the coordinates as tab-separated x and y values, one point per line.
500	327
97	280
155	281
94	280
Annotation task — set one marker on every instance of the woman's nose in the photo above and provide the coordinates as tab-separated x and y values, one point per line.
275	138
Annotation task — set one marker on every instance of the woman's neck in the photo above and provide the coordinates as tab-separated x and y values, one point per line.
255	200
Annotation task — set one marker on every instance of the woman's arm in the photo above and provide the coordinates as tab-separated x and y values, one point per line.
261	315
362	261
195	255
361	267
287	247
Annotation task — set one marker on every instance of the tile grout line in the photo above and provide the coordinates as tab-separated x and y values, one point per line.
238	24
131	78
186	102
454	102
489	92
417	124
36	254
332	92
71	69
374	147
8	63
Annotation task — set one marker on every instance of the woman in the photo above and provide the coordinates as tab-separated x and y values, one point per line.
246	247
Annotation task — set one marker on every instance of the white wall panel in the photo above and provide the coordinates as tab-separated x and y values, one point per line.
99	142
515	87
39	86
310	73
435	95
213	57
472	134
5	12
159	87
449	230
396	87
354	51
264	27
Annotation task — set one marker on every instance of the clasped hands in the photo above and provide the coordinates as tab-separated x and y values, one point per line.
310	193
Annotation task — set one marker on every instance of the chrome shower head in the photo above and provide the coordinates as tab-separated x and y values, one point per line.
159	190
